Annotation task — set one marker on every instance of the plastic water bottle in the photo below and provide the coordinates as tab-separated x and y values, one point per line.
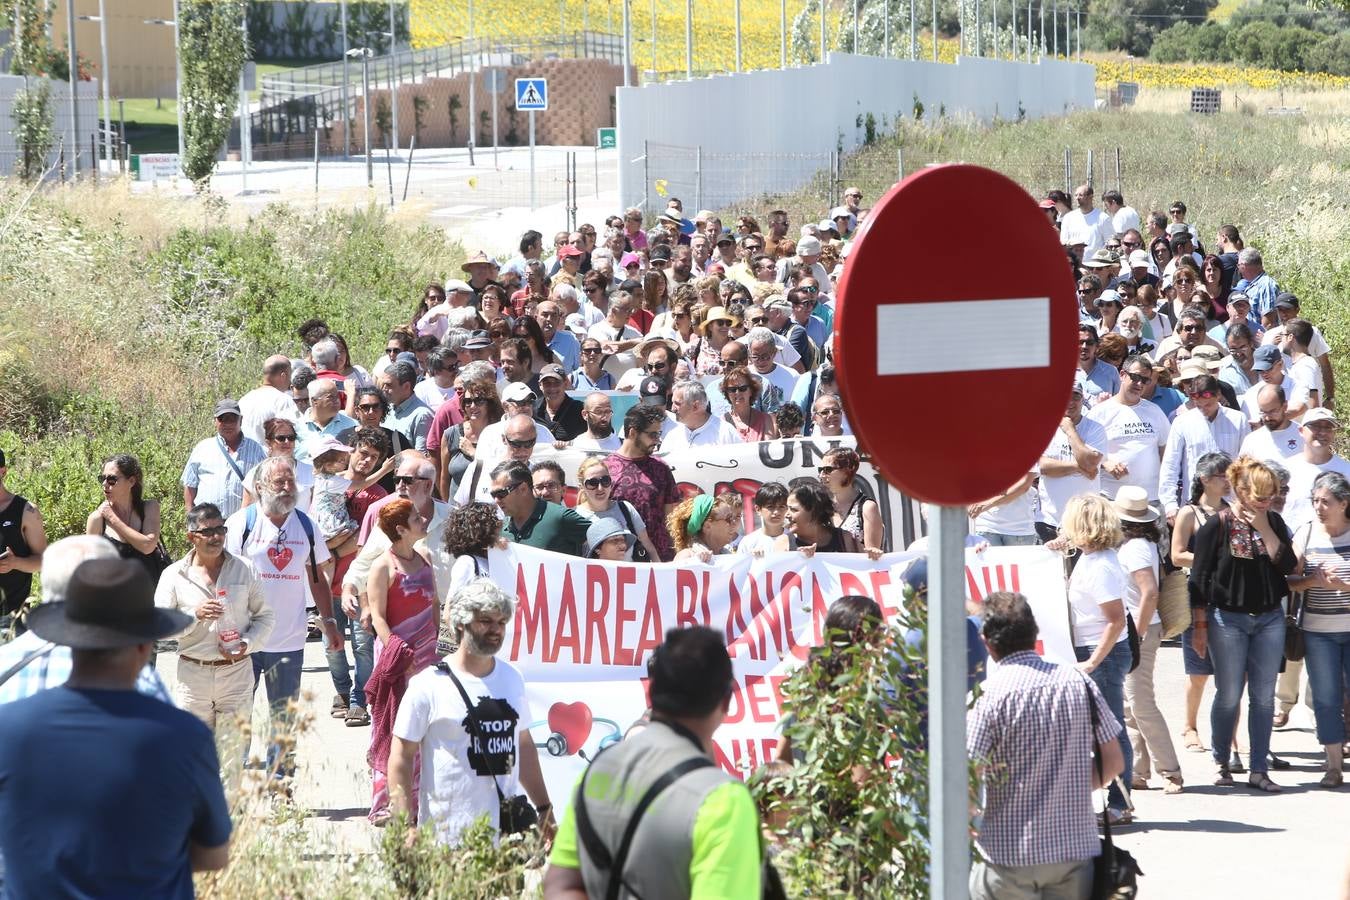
227	630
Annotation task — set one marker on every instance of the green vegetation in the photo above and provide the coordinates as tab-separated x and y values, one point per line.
1274	35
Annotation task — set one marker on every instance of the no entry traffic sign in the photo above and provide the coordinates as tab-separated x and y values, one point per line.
955	334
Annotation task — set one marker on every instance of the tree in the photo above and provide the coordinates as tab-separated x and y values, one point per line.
212	47
32	112
1131	25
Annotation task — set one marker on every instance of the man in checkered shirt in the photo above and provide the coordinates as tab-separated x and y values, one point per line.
1031	733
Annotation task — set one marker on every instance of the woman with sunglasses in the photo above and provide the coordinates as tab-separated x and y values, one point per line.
354	377
595	500
279	439
527	327
1157	325
400	341
125	517
716	328
854	511
1243	557
459	444
1185	280
535	288
742	390
433	295
591	375
810	523
703	526
1161	251
369	410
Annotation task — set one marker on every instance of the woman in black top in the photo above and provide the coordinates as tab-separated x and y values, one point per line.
126	517
1237	588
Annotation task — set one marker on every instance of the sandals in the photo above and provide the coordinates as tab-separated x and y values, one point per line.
1223	776
1261	781
1281	719
1332	780
1139	783
1172	784
1117	816
1190	738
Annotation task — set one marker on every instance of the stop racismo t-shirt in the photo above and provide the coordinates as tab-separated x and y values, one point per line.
457	766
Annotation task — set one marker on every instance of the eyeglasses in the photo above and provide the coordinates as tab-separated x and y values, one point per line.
762	357
393	351
473	401
544	487
501	493
733	363
1183	281
602	481
591	351
657	367
826	471
809	289
1192	327
1137	378
829	412
1129	244
803	303
109	479
754	248
520	444
369	407
1082	291
213	531
409	479
652	435
283	438
736	388
759	320
1087	342
1202	395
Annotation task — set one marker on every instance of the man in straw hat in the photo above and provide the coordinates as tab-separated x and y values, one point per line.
146	808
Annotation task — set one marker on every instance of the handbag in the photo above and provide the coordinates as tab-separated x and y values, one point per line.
1174	603
514	814
1115	872
1131	633
1132	637
640	553
1293	628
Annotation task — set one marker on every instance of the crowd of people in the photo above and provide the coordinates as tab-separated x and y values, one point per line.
1197	446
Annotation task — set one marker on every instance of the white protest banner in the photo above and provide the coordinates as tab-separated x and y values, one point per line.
745	468
583	630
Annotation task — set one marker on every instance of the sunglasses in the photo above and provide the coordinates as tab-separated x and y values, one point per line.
1137	378
301	402
591	351
521	444
806	289
657	367
109	479
1184	280
500	493
803	303
393	351
602	481
284	438
759	320
213	531
736	388
473	401
408	479
826	471
368	407
1202	395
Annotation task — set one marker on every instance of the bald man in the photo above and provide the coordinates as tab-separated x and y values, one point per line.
270	401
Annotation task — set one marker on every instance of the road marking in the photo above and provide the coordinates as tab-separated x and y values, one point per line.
963	336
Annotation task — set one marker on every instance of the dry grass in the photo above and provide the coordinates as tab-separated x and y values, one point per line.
1312	102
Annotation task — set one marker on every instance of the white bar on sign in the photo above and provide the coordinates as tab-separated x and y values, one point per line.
963	336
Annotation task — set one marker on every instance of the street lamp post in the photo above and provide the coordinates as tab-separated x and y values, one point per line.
395	72
178	76
364	53
102	20
74	82
346	100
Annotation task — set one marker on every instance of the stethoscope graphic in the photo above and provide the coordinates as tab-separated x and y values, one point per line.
570	726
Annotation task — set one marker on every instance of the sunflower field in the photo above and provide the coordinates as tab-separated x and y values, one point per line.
1198	75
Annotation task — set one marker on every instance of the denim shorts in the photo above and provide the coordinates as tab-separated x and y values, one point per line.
1193	663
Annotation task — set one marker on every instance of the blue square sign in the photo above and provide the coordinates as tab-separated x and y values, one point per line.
531	94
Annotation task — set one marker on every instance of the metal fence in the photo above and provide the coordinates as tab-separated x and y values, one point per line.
808	185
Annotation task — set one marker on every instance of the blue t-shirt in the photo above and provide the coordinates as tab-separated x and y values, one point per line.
101	792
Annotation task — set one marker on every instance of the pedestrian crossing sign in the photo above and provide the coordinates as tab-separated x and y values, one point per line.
532	94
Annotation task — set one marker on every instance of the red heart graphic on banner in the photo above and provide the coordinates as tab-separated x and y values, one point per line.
280	558
572	721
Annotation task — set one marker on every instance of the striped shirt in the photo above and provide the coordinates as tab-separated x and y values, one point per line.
216	480
1326	610
1031	730
53	669
1191	437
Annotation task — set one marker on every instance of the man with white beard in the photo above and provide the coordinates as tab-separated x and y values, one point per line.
280	544
1130	326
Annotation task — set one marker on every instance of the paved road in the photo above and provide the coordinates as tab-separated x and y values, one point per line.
1208	843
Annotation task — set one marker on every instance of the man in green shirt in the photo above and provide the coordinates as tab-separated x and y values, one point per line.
533	521
701	837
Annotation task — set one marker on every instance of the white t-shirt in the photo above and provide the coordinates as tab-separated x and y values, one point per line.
1054	493
1306	370
781	377
431	393
280	559
584	441
1298	510
263	403
1017	517
1098	578
1134	436
1092	229
757	541
1136	554
1317	347
1279	446
711	433
492	448
457	769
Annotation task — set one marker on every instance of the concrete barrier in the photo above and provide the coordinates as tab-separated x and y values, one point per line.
815	109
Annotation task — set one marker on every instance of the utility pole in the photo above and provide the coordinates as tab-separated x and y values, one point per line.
364	53
689	39
74	81
627	44
394	72
102	20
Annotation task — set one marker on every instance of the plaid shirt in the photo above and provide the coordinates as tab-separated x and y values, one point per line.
53	669
1031	730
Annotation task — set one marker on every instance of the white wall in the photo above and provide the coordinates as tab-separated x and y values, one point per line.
87	92
806	109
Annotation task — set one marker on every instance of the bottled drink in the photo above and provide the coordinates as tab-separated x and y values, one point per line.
227	630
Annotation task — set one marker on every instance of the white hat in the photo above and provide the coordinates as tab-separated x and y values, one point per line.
1132	505
808	246
1139	259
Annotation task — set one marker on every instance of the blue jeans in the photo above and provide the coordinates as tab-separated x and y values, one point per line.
280	672
1110	680
1246	650
1009	540
363	650
1327	660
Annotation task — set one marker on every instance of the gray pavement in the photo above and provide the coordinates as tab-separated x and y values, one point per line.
1208	842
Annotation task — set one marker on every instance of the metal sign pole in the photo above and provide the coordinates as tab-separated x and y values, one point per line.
532	193
948	779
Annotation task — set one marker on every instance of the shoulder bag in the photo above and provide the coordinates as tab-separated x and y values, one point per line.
515	814
1131	633
1293	617
1115	873
640	553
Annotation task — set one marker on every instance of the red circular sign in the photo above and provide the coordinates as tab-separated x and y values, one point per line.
955	334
